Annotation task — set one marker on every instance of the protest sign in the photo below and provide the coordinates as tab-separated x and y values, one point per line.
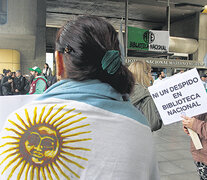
181	93
8	104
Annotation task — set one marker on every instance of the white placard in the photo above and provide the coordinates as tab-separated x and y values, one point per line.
8	104
181	93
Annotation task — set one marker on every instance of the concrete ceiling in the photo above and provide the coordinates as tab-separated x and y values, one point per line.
149	14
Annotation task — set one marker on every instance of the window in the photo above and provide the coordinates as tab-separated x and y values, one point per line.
3	12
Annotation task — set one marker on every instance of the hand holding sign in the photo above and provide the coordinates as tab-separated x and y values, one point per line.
188	124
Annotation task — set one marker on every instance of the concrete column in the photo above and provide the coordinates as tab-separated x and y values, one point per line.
202	37
25	32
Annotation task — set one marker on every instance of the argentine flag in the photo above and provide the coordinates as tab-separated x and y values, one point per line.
56	138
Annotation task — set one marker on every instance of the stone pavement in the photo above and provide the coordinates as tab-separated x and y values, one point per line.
173	153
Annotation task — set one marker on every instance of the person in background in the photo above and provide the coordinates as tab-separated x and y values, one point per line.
162	75
4	72
51	80
39	83
28	82
47	72
19	83
141	97
81	127
149	69
1	77
199	125
204	81
6	83
13	75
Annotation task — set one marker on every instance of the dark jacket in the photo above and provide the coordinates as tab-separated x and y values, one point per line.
1	89
143	101
19	83
6	86
51	80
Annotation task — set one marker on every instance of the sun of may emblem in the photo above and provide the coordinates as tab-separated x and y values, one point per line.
45	143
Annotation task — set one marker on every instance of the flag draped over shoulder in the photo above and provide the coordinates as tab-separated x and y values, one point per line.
58	139
77	130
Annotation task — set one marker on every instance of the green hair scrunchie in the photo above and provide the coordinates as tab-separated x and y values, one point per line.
111	61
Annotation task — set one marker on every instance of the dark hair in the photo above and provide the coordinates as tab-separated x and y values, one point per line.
18	71
158	74
85	41
7	71
47	65
38	73
4	71
204	75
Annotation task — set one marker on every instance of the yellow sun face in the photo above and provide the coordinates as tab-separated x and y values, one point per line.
39	148
41	144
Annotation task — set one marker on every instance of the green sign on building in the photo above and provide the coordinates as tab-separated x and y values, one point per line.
148	40
138	38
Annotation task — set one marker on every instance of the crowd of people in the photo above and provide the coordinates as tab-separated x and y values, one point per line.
117	138
14	83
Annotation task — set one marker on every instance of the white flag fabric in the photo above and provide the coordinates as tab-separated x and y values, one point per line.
67	139
8	104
